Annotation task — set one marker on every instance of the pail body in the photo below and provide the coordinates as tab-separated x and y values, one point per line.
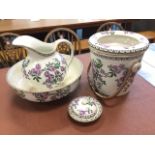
115	59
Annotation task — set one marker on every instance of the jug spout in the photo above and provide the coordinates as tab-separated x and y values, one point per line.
34	44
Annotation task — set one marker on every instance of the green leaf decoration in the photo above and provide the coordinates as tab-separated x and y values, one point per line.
111	74
98	63
37	79
57	65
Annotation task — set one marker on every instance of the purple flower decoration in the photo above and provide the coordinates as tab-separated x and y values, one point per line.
41	96
120	81
82	112
47	74
57	72
116	69
63	68
38	67
36	71
52	68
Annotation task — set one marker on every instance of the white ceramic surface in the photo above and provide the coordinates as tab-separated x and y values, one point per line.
38	94
43	66
85	109
113	55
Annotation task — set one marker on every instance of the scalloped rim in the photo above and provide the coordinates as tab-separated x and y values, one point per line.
141	46
85	120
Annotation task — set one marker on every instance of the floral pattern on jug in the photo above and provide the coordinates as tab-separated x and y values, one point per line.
44	66
52	72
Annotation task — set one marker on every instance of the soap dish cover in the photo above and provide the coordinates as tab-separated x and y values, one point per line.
85	109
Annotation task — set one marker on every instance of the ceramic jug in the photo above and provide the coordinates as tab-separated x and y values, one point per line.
44	67
115	59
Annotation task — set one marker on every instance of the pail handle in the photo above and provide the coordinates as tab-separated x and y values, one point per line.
128	79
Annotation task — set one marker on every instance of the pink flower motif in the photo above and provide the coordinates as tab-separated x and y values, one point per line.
47	74
41	96
52	69
33	70
121	66
82	112
57	72
38	67
62	68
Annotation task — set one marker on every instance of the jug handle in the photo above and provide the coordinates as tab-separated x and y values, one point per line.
69	44
129	78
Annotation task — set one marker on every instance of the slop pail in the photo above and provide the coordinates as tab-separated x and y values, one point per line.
115	59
